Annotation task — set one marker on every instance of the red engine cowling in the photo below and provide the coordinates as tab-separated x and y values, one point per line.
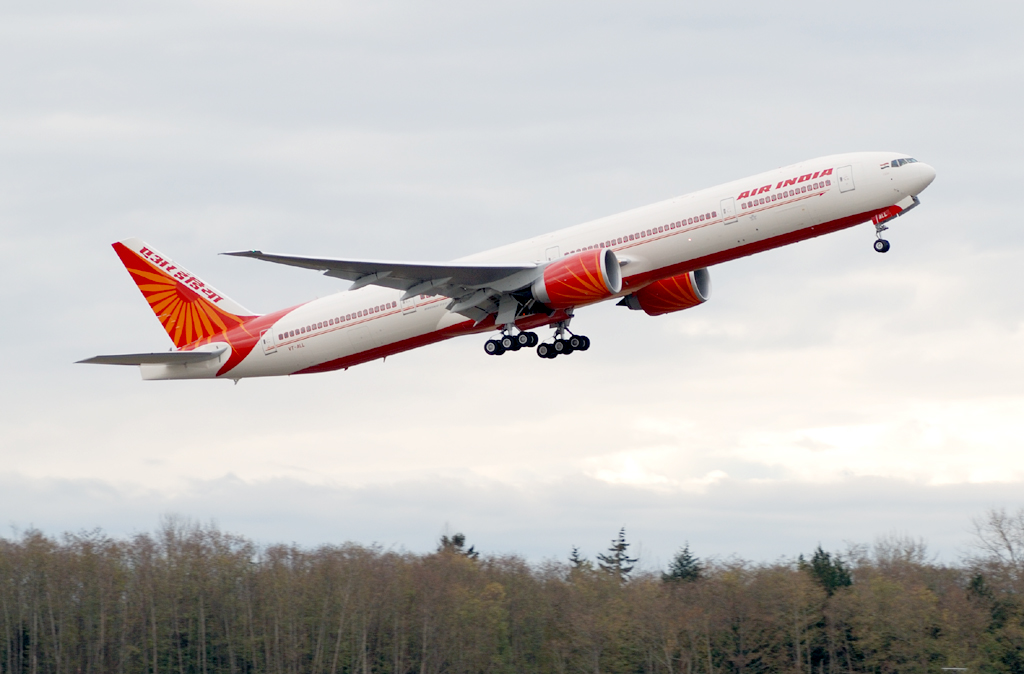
673	294
583	278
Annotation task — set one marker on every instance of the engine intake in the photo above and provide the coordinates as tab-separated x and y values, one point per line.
583	278
672	294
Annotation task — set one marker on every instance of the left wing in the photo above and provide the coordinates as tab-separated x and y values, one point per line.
473	288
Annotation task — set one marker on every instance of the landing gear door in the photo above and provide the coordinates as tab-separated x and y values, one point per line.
844	174
728	210
269	343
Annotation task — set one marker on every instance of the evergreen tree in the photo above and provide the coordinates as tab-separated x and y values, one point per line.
830	572
578	561
456	545
684	567
617	562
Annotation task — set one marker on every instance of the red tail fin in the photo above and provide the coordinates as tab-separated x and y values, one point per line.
189	309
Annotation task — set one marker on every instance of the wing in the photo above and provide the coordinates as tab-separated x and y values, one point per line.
473	288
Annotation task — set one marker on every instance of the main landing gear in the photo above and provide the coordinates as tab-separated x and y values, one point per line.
564	343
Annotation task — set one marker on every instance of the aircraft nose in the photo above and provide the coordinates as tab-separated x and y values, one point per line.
923	175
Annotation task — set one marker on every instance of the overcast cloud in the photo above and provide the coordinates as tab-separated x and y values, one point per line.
825	393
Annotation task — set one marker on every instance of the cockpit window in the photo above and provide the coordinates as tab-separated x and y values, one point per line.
901	162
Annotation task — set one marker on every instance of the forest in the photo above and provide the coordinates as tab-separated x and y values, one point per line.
190	598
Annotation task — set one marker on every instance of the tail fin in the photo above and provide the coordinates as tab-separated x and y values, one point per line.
189	309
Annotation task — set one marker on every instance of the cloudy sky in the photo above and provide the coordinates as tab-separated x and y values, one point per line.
825	394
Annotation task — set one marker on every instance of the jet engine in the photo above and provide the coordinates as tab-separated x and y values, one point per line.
672	294
586	277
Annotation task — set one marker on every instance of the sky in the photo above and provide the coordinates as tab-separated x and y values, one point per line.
826	394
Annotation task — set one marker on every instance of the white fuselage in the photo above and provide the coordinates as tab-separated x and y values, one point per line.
653	242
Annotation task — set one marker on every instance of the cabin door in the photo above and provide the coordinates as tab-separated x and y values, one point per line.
844	174
269	343
729	210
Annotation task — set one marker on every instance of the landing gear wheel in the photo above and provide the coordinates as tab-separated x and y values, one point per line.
562	347
576	342
881	246
527	339
586	343
546	351
493	347
509	343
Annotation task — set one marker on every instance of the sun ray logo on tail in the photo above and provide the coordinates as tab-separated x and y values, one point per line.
191	311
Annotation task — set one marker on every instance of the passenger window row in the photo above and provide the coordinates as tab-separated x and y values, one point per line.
644	233
312	327
785	194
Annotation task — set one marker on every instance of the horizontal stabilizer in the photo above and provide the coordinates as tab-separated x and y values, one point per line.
164	358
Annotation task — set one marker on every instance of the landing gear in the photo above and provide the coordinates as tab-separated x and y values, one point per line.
881	245
510	342
563	344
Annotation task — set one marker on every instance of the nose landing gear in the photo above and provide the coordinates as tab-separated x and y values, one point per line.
881	245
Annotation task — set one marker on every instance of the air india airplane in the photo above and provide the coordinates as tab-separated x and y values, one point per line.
653	259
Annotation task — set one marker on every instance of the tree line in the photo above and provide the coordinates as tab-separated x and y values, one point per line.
194	599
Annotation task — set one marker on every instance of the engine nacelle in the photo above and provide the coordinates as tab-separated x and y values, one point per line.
583	278
672	294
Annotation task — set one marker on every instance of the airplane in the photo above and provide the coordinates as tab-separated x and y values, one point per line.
653	259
